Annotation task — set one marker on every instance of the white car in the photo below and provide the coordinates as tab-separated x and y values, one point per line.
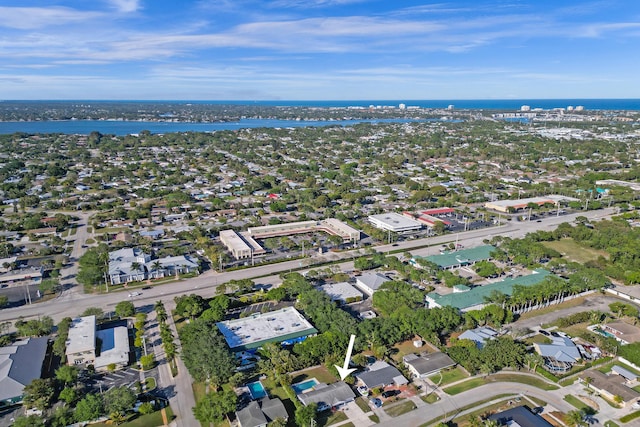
636	404
364	391
134	294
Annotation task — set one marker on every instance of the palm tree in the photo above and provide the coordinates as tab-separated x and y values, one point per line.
576	418
156	266
135	266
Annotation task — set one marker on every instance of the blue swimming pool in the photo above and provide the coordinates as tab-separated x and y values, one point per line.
257	390
304	385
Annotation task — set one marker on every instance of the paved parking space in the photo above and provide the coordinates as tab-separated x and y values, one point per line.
255	308
104	382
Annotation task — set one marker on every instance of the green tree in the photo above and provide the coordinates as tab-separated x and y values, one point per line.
205	353
147	361
575	418
38	394
119	399
305	415
146	408
4	301
93	311
30	421
62	417
125	309
67	375
69	395
215	406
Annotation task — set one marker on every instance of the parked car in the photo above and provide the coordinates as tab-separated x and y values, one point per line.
134	294
390	393
376	402
364	391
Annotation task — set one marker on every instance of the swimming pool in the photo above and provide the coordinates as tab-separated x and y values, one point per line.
305	385
257	390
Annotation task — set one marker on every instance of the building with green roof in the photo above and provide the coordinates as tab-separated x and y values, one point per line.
474	298
460	258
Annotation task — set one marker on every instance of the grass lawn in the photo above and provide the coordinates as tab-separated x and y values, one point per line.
575	252
327	418
198	390
401	408
430	398
362	403
137	420
374	418
407	347
523	379
578	403
449	376
321	373
150	383
464	386
538	339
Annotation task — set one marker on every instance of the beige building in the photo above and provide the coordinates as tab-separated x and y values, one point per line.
81	342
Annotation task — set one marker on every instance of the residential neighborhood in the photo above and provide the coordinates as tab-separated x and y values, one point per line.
486	268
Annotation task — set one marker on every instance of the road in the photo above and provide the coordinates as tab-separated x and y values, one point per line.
72	302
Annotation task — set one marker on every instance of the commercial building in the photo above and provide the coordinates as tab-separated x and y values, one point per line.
235	244
20	363
342	292
394	222
371	282
331	226
285	326
460	258
132	265
474	298
81	342
82	349
522	204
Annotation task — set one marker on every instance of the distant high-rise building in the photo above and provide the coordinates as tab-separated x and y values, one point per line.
579	108
570	108
525	108
402	106
450	107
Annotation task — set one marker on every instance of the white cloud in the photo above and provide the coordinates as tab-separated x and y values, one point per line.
29	18
125	6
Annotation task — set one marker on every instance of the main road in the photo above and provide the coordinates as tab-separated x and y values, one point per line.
72	302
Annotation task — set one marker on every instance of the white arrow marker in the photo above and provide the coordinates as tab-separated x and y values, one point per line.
345	370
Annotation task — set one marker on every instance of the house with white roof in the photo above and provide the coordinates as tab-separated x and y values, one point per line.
371	282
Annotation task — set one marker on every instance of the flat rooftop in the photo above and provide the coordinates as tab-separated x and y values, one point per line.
395	220
258	329
82	335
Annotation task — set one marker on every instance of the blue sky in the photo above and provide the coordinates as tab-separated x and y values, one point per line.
319	49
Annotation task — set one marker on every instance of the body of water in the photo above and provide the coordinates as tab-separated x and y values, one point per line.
120	127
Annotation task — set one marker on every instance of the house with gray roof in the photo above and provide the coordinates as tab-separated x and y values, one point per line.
342	292
519	416
560	355
20	363
428	364
371	282
381	374
332	396
261	412
479	335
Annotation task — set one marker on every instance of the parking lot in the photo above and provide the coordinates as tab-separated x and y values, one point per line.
99	383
